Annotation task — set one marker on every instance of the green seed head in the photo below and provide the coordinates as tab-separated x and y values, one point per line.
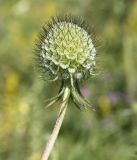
67	49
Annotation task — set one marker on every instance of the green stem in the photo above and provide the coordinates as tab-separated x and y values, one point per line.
57	125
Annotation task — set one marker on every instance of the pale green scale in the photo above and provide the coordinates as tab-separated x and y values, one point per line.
70	49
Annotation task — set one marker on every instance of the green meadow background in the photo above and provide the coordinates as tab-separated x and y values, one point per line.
110	133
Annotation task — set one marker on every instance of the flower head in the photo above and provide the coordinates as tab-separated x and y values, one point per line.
66	52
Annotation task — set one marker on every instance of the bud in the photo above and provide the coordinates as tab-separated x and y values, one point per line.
66	52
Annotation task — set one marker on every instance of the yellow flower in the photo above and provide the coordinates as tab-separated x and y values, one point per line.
12	83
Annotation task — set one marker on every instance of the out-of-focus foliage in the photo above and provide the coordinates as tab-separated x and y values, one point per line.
107	134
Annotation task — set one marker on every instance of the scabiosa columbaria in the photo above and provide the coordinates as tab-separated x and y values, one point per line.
65	52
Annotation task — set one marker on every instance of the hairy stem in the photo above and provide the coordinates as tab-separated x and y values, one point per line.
57	126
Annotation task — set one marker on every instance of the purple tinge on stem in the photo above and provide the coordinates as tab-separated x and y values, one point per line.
85	92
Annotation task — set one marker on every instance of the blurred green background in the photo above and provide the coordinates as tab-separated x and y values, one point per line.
110	133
